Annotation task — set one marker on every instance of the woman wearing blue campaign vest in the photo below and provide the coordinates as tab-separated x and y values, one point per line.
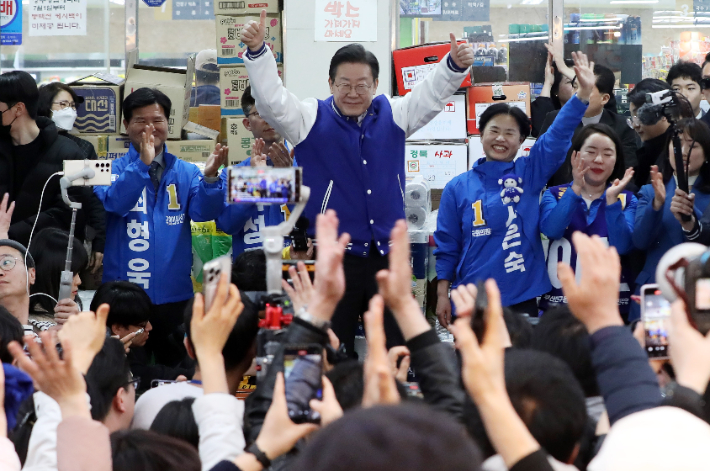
488	217
595	203
659	225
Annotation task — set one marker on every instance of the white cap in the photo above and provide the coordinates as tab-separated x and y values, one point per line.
207	57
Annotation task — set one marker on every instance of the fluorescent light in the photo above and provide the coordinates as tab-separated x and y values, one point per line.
544	38
688	26
531	2
579	28
601	20
618	2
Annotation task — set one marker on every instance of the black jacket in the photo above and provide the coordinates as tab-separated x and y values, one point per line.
54	149
617	123
652	152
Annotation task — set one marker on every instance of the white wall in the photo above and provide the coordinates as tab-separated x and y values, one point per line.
306	61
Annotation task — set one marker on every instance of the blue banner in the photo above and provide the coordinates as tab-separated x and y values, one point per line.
10	22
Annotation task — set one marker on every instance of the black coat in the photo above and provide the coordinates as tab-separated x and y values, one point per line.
613	120
53	150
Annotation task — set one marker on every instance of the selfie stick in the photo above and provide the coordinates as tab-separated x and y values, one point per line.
274	244
66	280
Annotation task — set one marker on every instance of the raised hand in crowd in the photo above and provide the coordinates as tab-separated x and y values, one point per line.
584	70
464	298
484	378
6	216
549	77
64	309
461	54
380	386
579	170
617	186
595	299
258	157
209	332
218	158
302	290
399	354
329	283
147	150
689	351
253	33
280	155
86	333
659	188
682	204
329	408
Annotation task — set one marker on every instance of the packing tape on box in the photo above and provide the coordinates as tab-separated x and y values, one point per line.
416	217
415	194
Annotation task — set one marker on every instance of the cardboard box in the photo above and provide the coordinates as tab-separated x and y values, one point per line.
238	138
437	163
101	111
447	125
412	64
175	83
192	150
248	7
481	96
475	149
100	143
210	116
230	47
117	147
233	80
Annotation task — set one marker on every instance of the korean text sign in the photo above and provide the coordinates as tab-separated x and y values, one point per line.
346	20
57	17
11	22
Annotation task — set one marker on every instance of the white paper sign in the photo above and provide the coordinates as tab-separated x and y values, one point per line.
481	107
438	164
449	124
57	17
346	20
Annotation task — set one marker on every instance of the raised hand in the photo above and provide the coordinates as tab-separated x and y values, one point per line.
461	54
6	216
253	33
147	149
549	72
64	309
86	332
585	75
579	170
683	203
689	351
394	354
613	192
329	408
464	298
557	52
258	158
280	155
329	284
659	188
302	290
380	387
218	158
595	300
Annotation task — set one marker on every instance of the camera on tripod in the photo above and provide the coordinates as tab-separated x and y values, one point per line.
664	103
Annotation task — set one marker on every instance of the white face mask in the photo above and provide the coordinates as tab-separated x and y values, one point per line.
64	119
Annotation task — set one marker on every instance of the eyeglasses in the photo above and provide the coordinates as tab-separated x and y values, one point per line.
134	381
8	262
633	122
254	114
65	104
705	83
8	109
346	88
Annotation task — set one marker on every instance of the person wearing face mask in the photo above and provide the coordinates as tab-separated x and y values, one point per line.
659	224
59	102
488	223
31	150
595	203
360	173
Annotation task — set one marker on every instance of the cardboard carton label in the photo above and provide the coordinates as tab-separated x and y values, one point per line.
241	7
117	147
233	80
230	48
238	138
414	74
98	113
191	151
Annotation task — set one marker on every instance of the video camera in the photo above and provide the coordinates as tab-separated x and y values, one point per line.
664	103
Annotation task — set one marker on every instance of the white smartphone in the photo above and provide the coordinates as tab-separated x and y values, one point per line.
102	172
655	315
211	273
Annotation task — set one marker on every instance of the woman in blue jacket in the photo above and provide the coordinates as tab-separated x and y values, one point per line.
488	217
659	226
595	203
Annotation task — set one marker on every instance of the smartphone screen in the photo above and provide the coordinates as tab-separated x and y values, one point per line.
264	185
656	312
303	368
702	294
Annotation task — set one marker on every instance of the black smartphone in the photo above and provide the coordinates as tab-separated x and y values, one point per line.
479	318
303	369
655	315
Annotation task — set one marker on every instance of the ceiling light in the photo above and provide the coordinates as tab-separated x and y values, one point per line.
618	2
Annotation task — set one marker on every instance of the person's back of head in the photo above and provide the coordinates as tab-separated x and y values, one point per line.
249	271
605	79
519	328
49	251
348	382
143	450
176	420
248	101
561	334
240	349
108	380
10	330
129	303
18	86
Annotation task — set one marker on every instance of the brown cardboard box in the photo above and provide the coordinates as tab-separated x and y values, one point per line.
117	146
230	47
100	143
233	80
101	111
210	116
175	83
238	138
245	7
194	110
192	150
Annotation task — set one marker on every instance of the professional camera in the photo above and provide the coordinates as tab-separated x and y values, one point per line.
659	104
299	236
684	272
278	315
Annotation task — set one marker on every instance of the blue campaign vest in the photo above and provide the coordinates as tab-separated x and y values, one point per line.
357	170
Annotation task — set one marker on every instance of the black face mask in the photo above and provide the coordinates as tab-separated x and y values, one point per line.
5	128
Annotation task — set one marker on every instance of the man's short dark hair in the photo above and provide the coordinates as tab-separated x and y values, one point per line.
504	108
519	328
249	271
19	87
10	329
130	304
353	54
561	334
248	101
145	97
176	420
48	92
406	437
637	96
683	69
241	339
109	371
348	382
605	79
144	450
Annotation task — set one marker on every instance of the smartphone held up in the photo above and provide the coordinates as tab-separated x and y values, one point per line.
267	185
303	369
656	316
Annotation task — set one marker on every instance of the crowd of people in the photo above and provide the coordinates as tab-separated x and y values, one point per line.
146	376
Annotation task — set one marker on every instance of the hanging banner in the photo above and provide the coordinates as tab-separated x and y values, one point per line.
10	22
57	18
347	20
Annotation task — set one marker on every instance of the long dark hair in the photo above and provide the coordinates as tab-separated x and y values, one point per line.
49	250
590	130
700	133
48	92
